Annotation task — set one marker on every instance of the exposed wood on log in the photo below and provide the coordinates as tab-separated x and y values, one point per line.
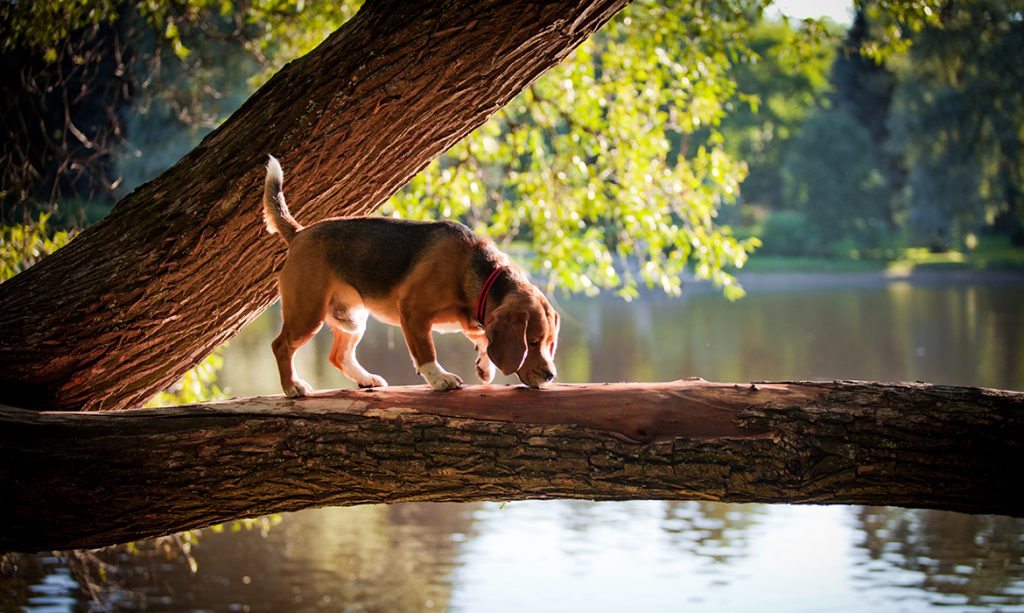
183	263
74	480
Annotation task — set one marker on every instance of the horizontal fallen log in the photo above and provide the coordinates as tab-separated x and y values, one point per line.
84	480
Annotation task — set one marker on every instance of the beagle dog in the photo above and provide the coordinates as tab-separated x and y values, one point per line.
421	276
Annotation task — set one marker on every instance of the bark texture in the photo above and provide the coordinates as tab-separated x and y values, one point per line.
74	480
183	262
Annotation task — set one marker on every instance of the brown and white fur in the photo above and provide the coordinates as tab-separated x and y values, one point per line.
421	276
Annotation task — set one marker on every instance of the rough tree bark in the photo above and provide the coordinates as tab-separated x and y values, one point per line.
74	480
183	262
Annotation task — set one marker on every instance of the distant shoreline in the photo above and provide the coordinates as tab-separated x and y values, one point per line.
794	281
758	282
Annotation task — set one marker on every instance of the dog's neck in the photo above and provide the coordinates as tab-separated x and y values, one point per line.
485	261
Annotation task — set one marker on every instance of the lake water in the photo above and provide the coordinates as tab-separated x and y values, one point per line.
641	555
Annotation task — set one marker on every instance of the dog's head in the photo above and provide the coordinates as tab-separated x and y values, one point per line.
522	335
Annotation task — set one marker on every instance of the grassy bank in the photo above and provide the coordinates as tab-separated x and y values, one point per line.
992	253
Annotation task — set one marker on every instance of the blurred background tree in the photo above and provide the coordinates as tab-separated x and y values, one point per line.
832	179
959	124
915	139
785	78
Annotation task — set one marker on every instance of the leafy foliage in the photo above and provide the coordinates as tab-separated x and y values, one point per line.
610	168
196	385
611	165
46	25
22	245
105	95
897	23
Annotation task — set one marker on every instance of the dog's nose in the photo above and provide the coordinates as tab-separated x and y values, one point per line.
548	375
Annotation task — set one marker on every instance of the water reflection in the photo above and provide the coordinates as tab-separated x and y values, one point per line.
368	558
958	335
573	555
956	559
715	531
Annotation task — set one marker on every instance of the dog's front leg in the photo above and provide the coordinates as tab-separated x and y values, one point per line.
484	366
416	330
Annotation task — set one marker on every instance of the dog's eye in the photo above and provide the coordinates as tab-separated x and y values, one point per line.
534	343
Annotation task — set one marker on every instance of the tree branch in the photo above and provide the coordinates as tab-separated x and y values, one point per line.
78	480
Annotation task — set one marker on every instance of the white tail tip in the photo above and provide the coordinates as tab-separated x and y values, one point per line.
274	171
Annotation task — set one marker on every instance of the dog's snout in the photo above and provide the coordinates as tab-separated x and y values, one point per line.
547	374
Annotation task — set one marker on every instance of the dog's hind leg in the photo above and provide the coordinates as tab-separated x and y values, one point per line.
285	346
348	331
301	319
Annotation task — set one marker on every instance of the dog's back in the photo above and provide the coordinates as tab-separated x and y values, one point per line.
374	254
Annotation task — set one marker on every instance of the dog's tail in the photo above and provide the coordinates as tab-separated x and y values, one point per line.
275	211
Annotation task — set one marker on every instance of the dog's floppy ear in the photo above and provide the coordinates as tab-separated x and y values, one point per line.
506	339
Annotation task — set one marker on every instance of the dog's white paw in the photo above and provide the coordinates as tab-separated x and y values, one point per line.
438	378
446	381
298	389
484	370
372	380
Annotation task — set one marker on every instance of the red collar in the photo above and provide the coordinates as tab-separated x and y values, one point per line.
481	300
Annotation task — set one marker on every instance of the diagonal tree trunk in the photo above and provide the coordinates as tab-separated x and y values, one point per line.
183	262
84	480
